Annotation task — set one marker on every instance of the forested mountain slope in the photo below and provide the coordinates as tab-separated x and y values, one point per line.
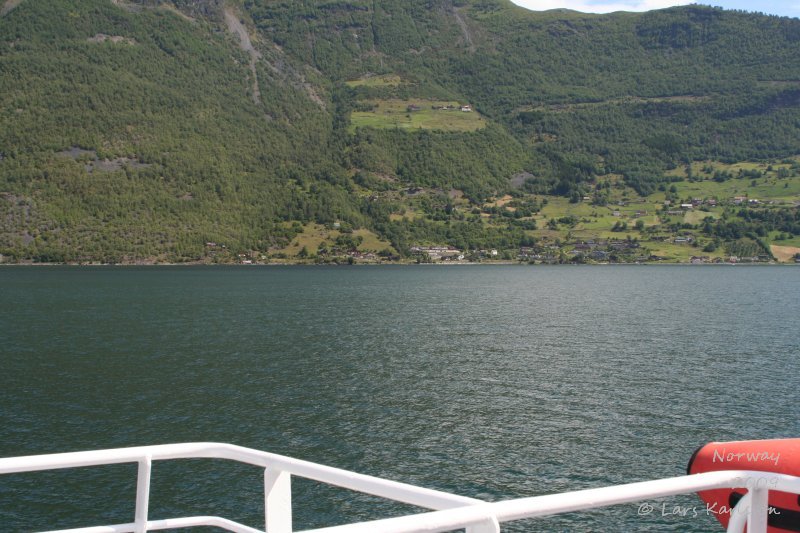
145	130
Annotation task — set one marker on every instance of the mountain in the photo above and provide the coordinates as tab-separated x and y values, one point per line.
206	130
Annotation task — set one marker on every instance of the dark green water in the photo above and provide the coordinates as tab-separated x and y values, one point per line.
492	382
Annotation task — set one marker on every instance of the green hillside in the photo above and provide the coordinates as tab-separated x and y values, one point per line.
211	130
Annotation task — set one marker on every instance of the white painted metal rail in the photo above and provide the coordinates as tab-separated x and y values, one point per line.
449	511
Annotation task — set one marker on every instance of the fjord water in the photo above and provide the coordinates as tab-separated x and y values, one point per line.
493	382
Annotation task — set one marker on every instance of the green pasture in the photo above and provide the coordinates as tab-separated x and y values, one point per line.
389	114
769	187
681	253
696	216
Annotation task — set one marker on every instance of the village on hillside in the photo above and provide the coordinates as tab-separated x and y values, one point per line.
634	230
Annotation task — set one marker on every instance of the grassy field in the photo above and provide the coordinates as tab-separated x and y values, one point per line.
371	242
696	216
595	222
785	254
314	236
794	241
408	214
681	253
387	80
388	114
769	187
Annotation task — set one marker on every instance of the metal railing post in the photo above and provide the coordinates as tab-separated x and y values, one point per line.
143	494
455	512
491	525
277	501
739	515
759	509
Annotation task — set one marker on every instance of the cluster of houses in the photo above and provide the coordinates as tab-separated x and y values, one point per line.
362	256
449	253
709	202
753	259
739	200
465	108
602	250
703	259
595	250
438	253
213	248
686	206
587	246
698	202
637	214
535	255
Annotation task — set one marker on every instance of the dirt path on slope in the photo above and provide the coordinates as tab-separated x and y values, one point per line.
236	27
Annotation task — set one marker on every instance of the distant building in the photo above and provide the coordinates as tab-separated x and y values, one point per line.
438	252
528	252
466	108
623	245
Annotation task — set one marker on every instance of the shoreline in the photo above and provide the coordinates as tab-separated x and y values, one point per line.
396	263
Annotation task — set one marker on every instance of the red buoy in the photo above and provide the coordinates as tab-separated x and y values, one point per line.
781	456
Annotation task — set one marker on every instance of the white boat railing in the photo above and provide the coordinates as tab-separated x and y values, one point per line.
449	511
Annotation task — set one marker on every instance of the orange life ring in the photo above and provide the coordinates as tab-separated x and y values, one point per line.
781	456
